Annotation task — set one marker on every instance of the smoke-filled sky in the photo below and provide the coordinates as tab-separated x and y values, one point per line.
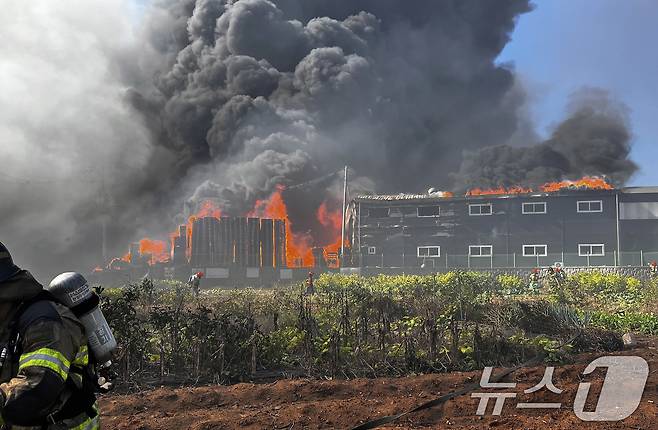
566	44
117	114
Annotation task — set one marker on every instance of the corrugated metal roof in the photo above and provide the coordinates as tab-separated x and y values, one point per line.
440	197
639	190
396	197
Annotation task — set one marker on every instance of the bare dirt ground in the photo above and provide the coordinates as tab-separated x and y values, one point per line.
307	404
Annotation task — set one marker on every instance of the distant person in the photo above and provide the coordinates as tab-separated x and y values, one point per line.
195	283
44	352
534	280
310	286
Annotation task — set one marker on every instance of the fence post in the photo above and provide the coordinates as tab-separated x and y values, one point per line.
469	261
491	262
514	257
614	254
641	257
446	260
563	262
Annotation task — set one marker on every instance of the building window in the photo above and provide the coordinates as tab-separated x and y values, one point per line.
429	211
590	206
480	209
535	250
638	210
591	250
378	212
480	250
372	250
534	208
429	251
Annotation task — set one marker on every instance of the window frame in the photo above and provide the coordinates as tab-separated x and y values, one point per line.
534	246
480	247
372	250
591	245
480	205
524	212
428	216
589	203
428	247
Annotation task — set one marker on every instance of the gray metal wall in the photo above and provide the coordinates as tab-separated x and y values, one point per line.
240	242
562	229
639	228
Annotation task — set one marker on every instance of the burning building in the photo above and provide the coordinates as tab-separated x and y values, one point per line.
577	223
258	248
582	223
238	242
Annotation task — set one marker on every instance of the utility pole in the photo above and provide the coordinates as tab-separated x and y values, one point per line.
104	207
342	227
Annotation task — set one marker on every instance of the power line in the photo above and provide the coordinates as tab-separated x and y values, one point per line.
314	181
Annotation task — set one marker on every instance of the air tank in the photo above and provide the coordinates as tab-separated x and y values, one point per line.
72	290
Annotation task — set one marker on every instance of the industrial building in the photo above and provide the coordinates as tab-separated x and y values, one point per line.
241	242
408	233
573	226
230	251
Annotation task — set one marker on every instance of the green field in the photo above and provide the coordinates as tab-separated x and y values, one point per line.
367	327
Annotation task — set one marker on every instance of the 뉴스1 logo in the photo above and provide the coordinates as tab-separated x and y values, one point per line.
620	396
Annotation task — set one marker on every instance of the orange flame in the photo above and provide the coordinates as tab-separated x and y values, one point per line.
332	220
208	209
298	245
159	250
329	219
498	191
588	182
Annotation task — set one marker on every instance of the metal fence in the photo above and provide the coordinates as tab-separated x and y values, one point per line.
448	261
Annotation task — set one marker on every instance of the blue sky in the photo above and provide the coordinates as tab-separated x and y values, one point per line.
565	44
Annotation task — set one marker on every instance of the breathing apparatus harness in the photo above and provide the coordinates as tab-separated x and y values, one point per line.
94	377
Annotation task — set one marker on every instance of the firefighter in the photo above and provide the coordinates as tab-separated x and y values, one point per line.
310	286
534	280
557	273
44	354
195	283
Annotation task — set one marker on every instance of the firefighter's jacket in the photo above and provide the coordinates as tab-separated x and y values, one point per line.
34	385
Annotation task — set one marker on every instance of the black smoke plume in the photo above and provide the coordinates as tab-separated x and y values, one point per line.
593	141
227	99
280	92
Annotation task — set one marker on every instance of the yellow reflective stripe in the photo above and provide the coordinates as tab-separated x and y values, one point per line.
63	373
82	357
90	424
47	358
49	352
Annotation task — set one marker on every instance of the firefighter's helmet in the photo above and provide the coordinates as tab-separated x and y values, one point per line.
7	267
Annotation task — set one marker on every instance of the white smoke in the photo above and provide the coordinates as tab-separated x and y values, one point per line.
65	130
